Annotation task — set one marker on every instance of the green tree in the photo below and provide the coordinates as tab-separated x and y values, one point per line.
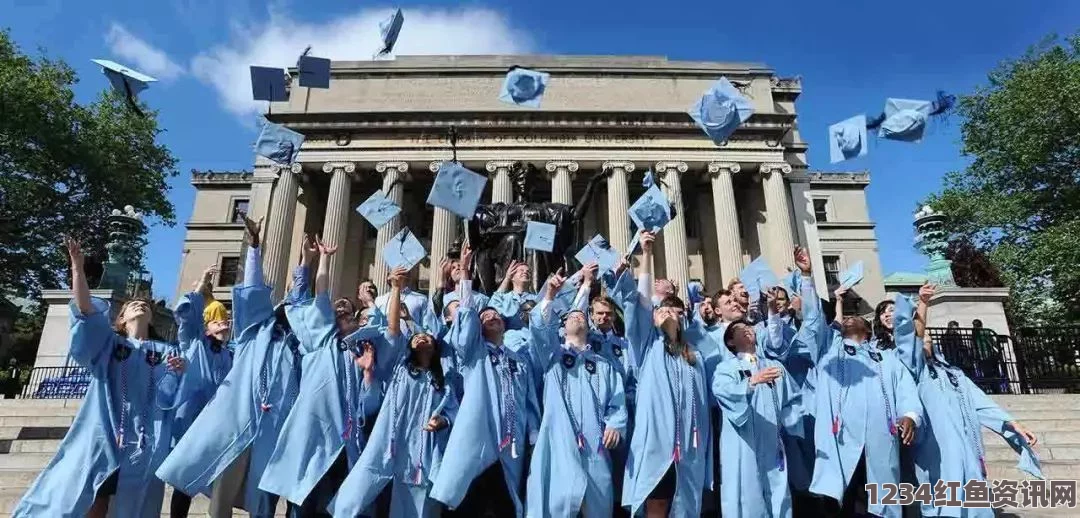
1019	200
64	167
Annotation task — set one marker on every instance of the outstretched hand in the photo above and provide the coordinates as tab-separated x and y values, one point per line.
252	231
74	250
554	284
647	239
802	260
309	250
397	277
325	248
766	375
207	279
926	291
588	273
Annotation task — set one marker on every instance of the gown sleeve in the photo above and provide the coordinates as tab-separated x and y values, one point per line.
312	321
464	335
640	332
253	274
907	394
732	391
778	339
544	330
791	408
909	348
189	319
615	413
370	398
449	406
532	407
300	285
815	335
92	337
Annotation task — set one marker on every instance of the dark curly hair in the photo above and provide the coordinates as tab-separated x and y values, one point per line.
883	336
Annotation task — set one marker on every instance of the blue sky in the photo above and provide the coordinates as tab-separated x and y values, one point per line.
851	55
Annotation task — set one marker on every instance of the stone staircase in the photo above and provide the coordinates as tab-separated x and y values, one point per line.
31	430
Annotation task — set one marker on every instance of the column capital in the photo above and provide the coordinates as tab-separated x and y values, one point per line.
330	167
496	165
401	167
435	165
619	164
716	168
554	165
768	168
295	168
664	167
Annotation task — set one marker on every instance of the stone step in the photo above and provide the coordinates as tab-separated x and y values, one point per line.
1046	438
1013	512
36	421
18	403
34	446
1038	402
1003	453
35	411
1039	414
200	505
1052	470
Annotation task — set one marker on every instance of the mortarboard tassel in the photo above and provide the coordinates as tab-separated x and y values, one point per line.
982	465
266	407
695	438
835	424
580	442
513	449
504	443
780	459
677	454
419	474
142	439
892	427
120	439
348	430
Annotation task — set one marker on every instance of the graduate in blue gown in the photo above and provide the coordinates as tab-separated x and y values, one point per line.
205	344
513	293
498	417
408	442
105	464
340	389
230	443
866	408
760	404
950	446
670	457
584	415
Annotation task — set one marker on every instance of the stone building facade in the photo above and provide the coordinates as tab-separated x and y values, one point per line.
384	123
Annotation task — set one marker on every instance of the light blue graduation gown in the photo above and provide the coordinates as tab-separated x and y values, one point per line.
499	388
861	395
124	426
799	363
570	469
754	477
399	449
334	402
251	405
209	363
949	446
665	431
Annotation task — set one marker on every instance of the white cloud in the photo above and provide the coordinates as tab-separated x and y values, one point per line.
143	57
279	40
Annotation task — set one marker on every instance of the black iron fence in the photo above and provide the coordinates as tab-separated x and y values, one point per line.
57	383
1035	360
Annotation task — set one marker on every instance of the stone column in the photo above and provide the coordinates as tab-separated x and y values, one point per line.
279	228
337	218
618	198
781	235
728	241
392	172
443	233
501	188
562	180
676	258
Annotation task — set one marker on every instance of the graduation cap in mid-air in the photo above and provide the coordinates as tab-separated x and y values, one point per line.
125	81
540	236
758	278
279	143
524	87
721	110
457	189
852	275
652	210
598	250
389	30
906	119
268	84
314	72
404	250
847	139
378	209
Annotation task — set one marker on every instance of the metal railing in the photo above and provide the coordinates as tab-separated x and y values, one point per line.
989	359
1049	358
68	382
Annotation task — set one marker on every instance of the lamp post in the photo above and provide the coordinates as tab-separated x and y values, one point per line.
932	240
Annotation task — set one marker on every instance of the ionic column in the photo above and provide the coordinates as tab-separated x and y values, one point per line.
279	228
676	258
443	233
501	188
728	241
562	180
336	221
391	173
618	201
781	235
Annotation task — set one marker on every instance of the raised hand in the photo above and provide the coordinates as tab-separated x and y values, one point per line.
554	284
206	281
325	248
466	258
588	273
176	364
766	375
926	291
839	293
620	265
802	260
252	231
74	250
309	250
397	277
647	239
366	360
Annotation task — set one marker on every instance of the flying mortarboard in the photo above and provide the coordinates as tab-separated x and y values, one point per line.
847	139
457	189
364	334
721	110
540	236
378	209
125	81
852	275
524	87
268	84
695	291
599	251
758	277
651	211
905	119
404	250
314	72
389	30
279	143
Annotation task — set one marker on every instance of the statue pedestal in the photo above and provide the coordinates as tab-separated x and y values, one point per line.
56	334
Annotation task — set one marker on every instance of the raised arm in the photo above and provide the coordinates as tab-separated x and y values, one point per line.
637	308
80	290
253	274
504	286
911	347
544	324
393	303
839	307
91	335
301	285
189	309
925	293
322	278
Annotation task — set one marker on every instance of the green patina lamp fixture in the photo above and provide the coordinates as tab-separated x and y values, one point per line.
932	240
